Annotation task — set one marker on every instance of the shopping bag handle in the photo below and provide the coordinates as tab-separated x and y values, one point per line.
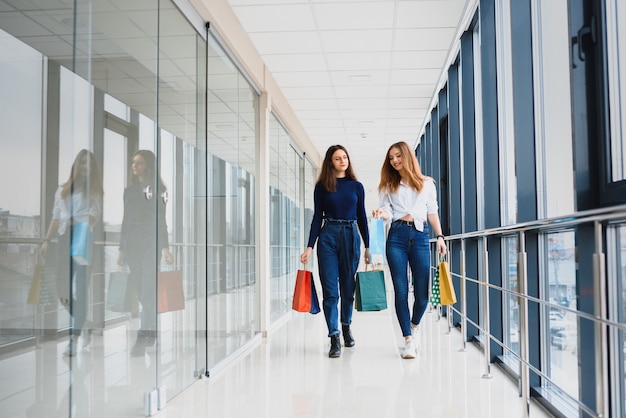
373	266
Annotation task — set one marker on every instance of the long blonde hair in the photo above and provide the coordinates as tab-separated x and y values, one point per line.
92	184
390	177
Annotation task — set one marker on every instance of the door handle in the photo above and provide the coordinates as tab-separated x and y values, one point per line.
590	30
148	192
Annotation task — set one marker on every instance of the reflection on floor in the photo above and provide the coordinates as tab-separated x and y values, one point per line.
290	375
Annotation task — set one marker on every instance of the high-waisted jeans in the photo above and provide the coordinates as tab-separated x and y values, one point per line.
405	245
338	253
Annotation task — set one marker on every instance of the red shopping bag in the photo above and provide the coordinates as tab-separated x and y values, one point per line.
304	294
171	296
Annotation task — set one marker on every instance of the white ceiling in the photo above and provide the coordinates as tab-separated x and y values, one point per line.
360	73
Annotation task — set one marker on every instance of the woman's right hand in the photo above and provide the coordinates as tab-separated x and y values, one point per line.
378	213
304	257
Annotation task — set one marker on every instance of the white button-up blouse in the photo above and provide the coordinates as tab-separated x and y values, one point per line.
407	201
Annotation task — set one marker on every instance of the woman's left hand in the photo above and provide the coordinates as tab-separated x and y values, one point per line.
167	256
367	256
441	246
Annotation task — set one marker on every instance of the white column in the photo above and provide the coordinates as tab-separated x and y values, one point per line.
263	213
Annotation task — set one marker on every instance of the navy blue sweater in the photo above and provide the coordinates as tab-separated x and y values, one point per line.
347	203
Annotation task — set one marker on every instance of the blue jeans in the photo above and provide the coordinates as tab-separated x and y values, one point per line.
338	253
405	245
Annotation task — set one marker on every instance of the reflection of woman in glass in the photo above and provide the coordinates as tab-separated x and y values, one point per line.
138	243
77	207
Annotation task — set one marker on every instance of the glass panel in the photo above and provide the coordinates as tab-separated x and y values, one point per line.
511	302
506	131
179	229
28	345
553	110
233	304
245	267
562	325
621	316
616	42
284	218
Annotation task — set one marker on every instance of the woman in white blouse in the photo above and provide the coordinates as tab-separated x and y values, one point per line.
409	199
77	208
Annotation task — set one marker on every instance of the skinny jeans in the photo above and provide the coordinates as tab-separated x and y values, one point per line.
338	253
406	245
73	280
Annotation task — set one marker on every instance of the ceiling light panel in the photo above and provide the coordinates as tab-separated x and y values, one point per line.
408	102
419	59
275	18
293	93
430	76
296	62
360	61
374	15
423	39
357	40
429	14
360	77
304	78
361	92
305	115
411	90
313	104
287	42
367	103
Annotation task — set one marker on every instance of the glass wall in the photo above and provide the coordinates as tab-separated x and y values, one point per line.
553	115
617	312
508	187
561	325
285	218
111	210
232	286
616	39
555	191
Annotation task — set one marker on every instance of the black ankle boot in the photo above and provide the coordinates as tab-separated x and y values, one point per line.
348	339
335	346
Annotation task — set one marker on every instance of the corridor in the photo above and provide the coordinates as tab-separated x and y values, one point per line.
290	376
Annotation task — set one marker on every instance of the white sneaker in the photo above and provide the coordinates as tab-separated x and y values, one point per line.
72	347
409	349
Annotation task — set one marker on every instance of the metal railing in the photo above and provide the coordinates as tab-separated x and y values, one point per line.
600	218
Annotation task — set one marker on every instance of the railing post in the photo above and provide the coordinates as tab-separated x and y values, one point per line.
463	298
449	307
486	319
522	280
600	303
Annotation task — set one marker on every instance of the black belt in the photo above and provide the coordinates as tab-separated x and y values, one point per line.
402	221
332	221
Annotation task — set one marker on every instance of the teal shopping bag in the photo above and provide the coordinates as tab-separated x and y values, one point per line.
370	294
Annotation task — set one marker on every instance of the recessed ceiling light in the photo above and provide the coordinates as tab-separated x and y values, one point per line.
360	77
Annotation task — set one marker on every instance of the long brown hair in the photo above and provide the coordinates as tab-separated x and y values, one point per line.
390	177
327	176
151	170
92	184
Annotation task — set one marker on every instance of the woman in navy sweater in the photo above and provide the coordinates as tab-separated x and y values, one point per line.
339	209
140	243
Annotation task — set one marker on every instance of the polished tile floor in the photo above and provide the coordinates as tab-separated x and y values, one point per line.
290	375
